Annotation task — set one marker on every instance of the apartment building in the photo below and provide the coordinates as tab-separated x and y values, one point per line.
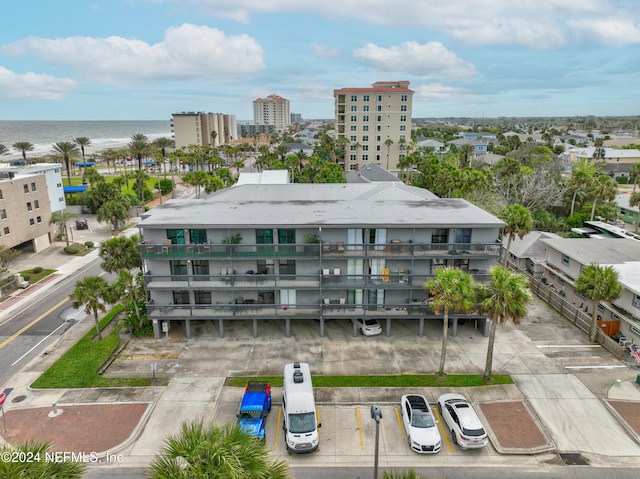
374	124
565	258
24	210
204	129
286	252
272	110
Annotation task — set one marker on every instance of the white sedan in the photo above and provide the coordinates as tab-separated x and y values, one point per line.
369	327
419	424
463	422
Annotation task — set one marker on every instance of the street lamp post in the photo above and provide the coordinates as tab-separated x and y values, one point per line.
376	415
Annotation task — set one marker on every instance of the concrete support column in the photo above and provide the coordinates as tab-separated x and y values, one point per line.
156	328
355	328
454	327
255	327
421	328
187	326
287	327
322	327
221	328
388	327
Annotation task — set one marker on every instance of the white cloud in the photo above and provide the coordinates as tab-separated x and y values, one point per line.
609	31
187	52
429	60
540	24
437	91
325	51
33	85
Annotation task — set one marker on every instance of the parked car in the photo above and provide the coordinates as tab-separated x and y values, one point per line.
369	327
463	422
82	224
419	424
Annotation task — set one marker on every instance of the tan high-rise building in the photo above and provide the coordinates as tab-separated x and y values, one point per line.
273	110
374	124
195	128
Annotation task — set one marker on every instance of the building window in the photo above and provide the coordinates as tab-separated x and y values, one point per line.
354	128
379	128
403	117
403	107
353	158
353	167
365	118
25	187
29	208
1	197
354	98
365	98
353	138
200	270
379	108
565	260
287	268
365	138
354	108
463	235
33	187
6	230
378	138
354	118
438	263
365	128
379	97
403	98
365	108
402	139
176	236
440	235
39	219
32	221
178	268
181	297
3	214
198	236
365	147
36	204
636	301
403	127
379	118
287	236
202	297
365	157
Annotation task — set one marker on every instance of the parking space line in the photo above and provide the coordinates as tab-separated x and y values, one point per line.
275	439
443	433
399	419
360	428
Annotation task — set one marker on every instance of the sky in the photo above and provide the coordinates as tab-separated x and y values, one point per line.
147	59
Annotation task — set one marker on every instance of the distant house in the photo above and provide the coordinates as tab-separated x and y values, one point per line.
528	253
479	146
439	148
370	174
628	214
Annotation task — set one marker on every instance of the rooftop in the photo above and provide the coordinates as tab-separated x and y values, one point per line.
602	251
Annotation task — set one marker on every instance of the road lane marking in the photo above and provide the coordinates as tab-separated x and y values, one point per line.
39	343
275	440
360	428
35	321
443	433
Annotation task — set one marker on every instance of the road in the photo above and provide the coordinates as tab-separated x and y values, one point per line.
38	324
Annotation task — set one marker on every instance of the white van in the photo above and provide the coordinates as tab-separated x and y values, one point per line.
300	423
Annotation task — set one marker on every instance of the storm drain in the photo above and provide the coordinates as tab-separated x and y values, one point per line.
573	459
20	398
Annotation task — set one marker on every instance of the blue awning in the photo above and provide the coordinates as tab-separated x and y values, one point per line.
88	163
75	189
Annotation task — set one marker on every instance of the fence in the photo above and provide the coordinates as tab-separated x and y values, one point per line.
574	314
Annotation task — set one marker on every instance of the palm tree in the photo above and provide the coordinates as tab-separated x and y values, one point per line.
603	188
139	147
466	151
598	283
207	450
67	469
518	222
505	298
23	146
66	149
120	253
114	211
130	288
634	200
82	141
634	173
450	289
581	177
197	179
92	292
388	142
62	218
3	149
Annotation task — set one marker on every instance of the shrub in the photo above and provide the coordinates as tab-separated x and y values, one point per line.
26	277
89	244
37	269
71	250
622	180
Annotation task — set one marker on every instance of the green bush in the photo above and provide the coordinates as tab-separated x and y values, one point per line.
622	180
71	250
89	244
36	270
26	277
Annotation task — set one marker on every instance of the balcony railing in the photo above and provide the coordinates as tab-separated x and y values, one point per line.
395	248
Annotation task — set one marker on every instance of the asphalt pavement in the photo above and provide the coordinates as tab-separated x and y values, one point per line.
580	402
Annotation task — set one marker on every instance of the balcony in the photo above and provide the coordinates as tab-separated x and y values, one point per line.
394	248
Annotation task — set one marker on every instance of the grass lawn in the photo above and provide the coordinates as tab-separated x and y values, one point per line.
408	381
35	277
78	367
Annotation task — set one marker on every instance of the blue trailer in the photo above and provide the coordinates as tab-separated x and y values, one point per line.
254	407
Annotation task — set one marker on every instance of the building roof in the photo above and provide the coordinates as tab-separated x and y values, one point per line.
622	200
601	251
530	246
266	177
341	205
379	87
369	174
629	275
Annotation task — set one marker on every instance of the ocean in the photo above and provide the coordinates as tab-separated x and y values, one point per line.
103	134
